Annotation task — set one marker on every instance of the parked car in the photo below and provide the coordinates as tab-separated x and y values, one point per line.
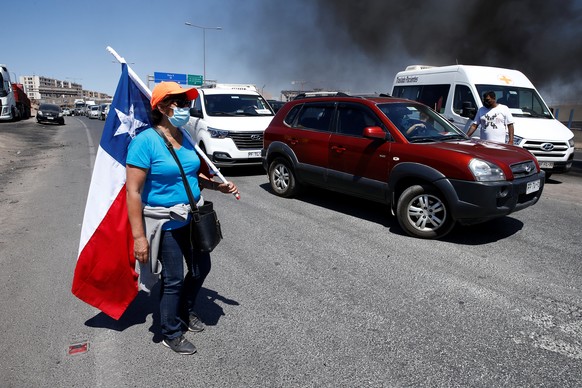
276	105
402	154
94	112
50	113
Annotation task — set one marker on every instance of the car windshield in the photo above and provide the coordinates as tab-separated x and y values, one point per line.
236	105
522	102
419	124
94	107
49	107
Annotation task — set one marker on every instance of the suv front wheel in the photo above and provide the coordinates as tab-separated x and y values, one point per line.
422	212
282	178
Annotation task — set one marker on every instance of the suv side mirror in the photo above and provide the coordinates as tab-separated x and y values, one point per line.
374	133
196	113
468	109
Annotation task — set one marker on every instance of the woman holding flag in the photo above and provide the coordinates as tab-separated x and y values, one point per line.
154	181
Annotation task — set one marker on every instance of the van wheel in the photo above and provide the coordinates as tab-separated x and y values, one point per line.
282	178
422	212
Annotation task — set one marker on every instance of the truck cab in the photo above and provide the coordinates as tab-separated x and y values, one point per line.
8	109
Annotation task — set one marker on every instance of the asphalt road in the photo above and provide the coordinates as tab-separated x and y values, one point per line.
318	291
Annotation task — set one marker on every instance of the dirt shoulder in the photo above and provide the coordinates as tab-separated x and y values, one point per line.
23	146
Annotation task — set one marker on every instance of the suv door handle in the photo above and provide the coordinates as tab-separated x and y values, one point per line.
338	149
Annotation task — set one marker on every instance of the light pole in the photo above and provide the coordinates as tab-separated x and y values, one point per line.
203	44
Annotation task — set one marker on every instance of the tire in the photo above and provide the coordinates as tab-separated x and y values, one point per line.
282	178
14	114
422	212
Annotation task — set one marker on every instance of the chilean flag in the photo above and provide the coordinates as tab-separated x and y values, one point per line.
105	275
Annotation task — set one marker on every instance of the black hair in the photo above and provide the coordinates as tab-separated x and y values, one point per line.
490	94
157	116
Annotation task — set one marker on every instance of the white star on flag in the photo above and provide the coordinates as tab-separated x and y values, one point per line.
129	124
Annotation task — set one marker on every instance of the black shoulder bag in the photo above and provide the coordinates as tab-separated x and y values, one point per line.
205	231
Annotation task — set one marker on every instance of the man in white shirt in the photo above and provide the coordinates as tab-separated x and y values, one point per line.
495	120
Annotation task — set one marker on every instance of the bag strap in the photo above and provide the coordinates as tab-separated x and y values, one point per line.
193	206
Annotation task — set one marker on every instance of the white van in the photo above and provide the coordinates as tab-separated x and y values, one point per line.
456	92
228	123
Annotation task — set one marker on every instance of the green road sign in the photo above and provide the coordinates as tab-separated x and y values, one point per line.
195	80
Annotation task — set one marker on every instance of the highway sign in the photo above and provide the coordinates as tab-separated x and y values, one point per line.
179	78
183	79
194	79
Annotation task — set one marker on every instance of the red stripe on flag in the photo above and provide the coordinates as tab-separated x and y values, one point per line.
105	274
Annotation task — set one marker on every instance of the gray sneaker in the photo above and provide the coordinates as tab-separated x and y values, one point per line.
195	324
180	345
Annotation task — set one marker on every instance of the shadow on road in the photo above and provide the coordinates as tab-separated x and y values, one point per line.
378	213
144	305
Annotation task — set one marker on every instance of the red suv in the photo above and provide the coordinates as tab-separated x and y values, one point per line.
400	153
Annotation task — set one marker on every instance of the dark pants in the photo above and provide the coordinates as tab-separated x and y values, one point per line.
179	292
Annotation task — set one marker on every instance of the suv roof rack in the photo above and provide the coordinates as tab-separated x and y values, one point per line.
338	94
320	94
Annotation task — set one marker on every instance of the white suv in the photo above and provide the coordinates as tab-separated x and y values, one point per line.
228	124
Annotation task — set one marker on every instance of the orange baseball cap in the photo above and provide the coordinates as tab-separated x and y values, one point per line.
165	89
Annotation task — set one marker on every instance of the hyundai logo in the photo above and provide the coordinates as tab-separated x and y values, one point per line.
256	137
547	146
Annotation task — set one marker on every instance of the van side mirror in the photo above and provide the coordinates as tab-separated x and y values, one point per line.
196	113
468	110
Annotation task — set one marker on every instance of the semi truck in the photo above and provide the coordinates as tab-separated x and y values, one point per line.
22	100
14	104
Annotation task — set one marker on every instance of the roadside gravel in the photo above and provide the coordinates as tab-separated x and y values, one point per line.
23	150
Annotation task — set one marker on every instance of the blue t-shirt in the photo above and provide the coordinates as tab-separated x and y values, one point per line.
163	185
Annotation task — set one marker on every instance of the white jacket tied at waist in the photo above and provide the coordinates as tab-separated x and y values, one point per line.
154	218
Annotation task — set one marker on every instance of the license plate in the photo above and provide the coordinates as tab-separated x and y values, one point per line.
546	164
50	118
532	186
254	154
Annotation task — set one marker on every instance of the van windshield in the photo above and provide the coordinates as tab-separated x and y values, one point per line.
236	105
522	102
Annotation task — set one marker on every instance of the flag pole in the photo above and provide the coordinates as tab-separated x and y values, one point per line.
148	92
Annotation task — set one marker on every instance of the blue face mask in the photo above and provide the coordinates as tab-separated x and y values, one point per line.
180	117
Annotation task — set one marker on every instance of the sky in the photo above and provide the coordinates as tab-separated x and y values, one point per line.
356	46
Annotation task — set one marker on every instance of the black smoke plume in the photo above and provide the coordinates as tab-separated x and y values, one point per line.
541	38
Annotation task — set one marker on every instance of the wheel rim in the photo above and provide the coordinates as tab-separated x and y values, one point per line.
426	212
281	177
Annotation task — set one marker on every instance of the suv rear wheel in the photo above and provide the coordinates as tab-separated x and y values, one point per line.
282	178
422	212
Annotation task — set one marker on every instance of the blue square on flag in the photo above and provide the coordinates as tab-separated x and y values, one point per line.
130	112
